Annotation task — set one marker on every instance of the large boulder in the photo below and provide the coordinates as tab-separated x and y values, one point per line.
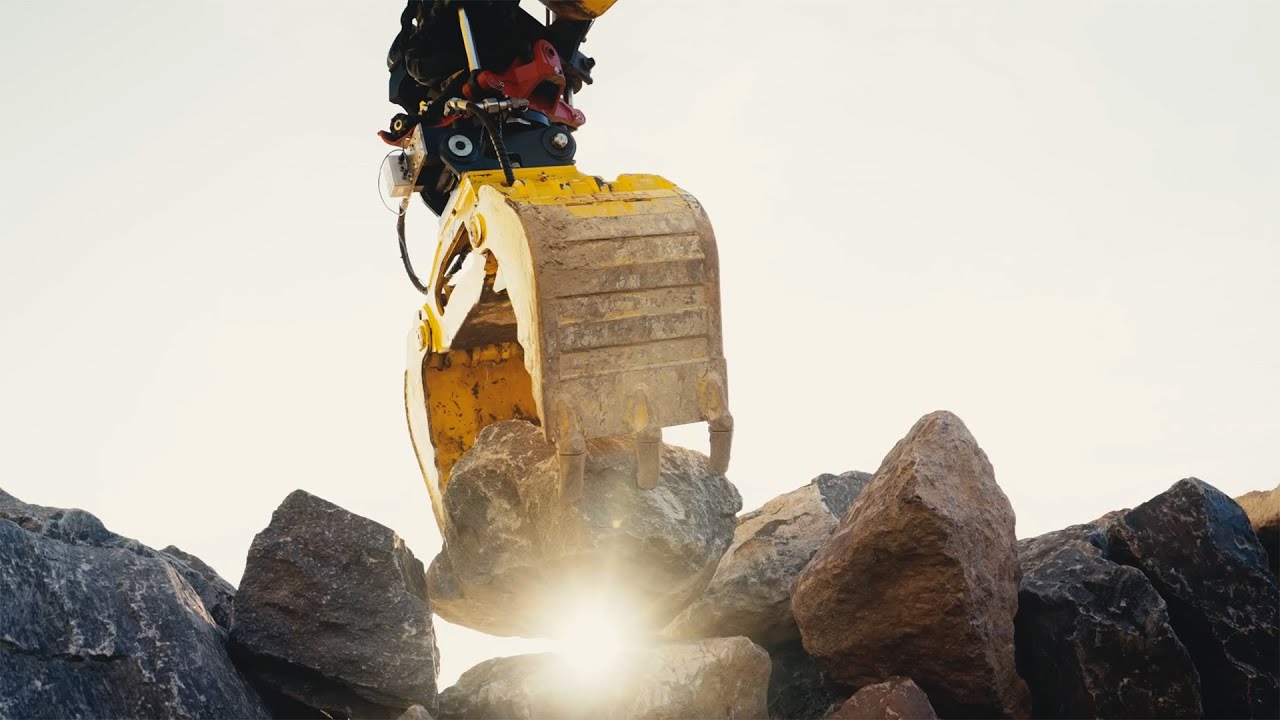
514	554
1093	636
750	593
332	615
799	688
1197	548
93	624
893	699
1263	509
707	679
920	579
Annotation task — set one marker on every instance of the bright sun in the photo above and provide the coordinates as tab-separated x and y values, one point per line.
595	640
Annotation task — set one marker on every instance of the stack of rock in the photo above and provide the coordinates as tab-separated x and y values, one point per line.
902	594
880	596
912	597
516	561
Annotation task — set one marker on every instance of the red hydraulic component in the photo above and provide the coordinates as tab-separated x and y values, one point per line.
541	81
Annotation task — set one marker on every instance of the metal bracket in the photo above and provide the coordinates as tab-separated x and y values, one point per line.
400	175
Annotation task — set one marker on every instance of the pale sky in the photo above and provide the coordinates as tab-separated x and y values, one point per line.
1059	220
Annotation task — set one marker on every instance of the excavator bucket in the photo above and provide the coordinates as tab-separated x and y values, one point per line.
589	308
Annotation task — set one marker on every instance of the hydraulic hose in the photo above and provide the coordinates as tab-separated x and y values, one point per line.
499	148
404	249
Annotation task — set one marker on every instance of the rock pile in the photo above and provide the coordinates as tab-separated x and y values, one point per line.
896	595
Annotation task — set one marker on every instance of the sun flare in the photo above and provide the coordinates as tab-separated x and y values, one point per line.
595	639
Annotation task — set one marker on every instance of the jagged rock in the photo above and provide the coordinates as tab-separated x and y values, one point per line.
93	624
514	553
1263	509
892	699
332	615
217	594
1093	636
750	593
920	578
1200	553
799	689
718	678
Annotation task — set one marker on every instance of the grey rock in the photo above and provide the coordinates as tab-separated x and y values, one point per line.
750	593
93	624
1197	548
920	579
1263	509
719	678
893	699
799	688
514	554
332	615
217	594
1094	638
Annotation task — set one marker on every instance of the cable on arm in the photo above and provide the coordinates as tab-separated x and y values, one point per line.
481	112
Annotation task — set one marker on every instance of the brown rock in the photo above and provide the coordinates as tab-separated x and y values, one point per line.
921	579
892	699
1263	509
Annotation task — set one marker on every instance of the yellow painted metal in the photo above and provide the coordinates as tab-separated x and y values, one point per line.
590	307
579	9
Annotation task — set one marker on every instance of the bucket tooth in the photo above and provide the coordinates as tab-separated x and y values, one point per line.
572	468
648	435
648	458
571	449
714	401
721	432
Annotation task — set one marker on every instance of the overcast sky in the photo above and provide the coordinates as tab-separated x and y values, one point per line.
1059	220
